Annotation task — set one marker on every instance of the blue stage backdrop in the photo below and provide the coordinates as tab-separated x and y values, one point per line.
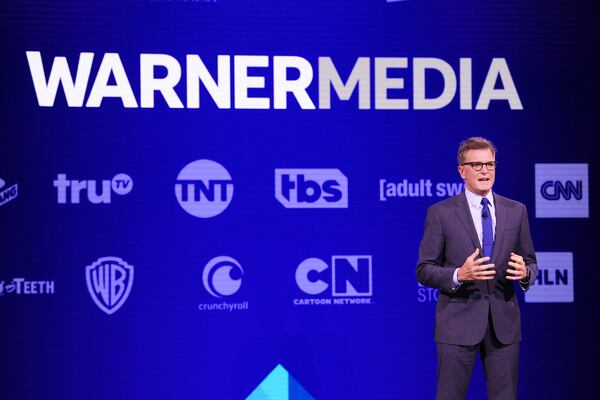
218	199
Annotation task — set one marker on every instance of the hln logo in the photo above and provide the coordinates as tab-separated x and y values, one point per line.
561	191
351	276
554	282
69	191
311	188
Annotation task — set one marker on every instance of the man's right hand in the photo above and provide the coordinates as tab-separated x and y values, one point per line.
475	269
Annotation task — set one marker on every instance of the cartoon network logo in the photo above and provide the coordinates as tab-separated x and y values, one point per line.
204	188
22	286
420	188
9	193
242	74
279	385
311	188
109	282
222	277
347	280
561	191
555	281
70	190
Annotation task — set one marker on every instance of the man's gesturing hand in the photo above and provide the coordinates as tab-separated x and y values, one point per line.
475	270
519	271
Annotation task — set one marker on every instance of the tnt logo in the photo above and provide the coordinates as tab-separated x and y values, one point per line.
348	276
9	193
109	281
311	188
554	282
561	191
70	191
204	188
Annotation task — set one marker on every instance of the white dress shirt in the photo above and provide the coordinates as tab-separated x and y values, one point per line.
475	208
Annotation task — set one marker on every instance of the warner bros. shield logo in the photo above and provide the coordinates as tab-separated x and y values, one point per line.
109	281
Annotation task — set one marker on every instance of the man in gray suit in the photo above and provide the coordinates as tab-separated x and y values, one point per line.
474	247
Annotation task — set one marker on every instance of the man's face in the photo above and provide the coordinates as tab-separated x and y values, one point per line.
478	182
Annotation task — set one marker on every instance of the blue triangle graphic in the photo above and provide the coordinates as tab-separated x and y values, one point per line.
297	391
279	385
273	387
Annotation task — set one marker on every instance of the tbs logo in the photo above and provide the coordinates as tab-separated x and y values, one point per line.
311	188
350	276
70	191
561	191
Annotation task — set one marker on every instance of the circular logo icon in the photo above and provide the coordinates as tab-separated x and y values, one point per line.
121	184
222	276
204	188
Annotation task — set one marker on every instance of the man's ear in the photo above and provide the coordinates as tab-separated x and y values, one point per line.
460	171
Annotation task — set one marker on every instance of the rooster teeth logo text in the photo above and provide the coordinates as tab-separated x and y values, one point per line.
69	191
420	188
21	286
350	279
204	188
311	188
8	194
222	277
561	191
109	282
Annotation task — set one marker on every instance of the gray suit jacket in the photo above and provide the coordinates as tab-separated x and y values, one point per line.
449	238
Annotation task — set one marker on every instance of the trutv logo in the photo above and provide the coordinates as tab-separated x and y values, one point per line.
554	282
71	191
311	188
346	280
561	191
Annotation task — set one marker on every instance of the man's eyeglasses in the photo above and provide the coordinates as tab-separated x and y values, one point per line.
478	166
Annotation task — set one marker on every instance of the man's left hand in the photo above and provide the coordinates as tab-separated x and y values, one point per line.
519	270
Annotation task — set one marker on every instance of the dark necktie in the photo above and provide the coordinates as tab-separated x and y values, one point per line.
488	232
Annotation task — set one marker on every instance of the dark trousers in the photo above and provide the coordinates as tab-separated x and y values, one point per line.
500	365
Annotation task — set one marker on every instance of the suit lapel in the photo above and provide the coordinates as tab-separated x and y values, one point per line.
464	215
